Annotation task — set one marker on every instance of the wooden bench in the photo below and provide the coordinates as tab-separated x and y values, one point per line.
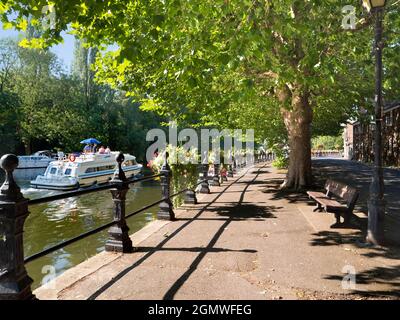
339	199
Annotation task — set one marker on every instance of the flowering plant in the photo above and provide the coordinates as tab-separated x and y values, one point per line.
184	167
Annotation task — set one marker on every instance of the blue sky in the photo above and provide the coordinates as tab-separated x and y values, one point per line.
64	51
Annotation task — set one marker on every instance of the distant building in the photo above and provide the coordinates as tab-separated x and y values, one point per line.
348	137
358	137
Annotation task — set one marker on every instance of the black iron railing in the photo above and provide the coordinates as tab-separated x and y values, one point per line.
15	283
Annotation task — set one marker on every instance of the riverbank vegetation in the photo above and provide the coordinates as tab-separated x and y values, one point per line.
42	106
327	143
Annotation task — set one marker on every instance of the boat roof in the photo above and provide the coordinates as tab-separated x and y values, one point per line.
96	158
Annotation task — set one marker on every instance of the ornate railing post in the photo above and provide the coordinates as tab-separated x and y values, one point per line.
166	211
204	187
215	179
190	194
230	171
119	240
190	197
15	284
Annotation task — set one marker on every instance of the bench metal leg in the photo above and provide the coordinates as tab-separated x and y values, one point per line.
318	208
337	216
337	224
347	218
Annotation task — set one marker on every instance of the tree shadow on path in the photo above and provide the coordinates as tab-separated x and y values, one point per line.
272	186
238	210
389	277
382	275
232	214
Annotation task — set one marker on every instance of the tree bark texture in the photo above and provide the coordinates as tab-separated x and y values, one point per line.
297	114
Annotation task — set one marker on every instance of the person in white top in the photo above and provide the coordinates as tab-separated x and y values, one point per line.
107	150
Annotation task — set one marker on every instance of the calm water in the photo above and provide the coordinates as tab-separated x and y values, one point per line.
51	223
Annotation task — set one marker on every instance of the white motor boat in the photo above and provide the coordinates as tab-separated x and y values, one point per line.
29	167
38	160
85	170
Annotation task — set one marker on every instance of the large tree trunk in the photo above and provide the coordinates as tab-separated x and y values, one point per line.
298	118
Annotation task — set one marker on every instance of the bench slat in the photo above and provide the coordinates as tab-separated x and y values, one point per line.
314	194
341	191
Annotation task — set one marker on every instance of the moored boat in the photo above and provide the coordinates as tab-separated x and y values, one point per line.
29	167
38	160
84	170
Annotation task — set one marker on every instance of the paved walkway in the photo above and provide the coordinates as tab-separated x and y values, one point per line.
249	242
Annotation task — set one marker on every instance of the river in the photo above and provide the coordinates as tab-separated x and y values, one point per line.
51	223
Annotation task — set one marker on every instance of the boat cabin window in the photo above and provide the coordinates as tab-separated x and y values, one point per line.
130	163
102	168
112	167
67	172
53	170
